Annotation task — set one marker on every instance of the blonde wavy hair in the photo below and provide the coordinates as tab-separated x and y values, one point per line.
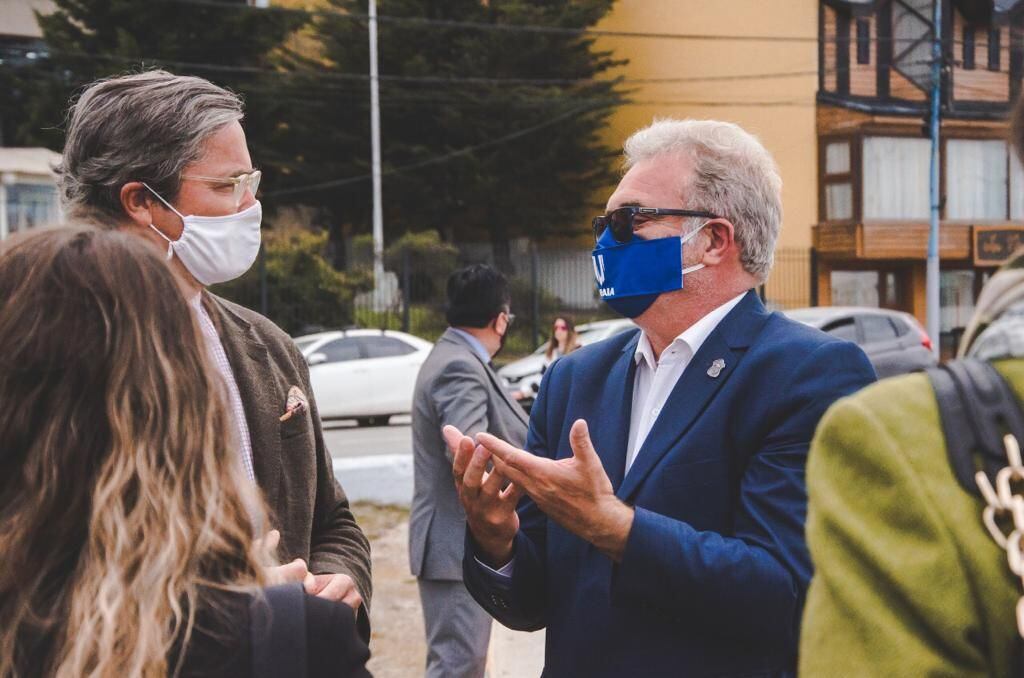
121	495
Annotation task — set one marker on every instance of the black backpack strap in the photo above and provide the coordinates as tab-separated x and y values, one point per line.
977	408
278	632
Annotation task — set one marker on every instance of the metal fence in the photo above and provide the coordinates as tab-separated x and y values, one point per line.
547	283
792	282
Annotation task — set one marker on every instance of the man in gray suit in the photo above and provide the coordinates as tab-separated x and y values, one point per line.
457	385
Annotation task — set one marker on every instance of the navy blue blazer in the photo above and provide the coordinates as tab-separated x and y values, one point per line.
713	578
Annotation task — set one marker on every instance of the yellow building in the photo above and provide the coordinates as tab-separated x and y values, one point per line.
766	86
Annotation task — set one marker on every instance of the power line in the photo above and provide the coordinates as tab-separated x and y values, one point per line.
440	79
478	25
525	28
300	93
335	183
437	159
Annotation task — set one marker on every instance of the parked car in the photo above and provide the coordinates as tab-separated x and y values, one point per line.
894	341
366	375
524	375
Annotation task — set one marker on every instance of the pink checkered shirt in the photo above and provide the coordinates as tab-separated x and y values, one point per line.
220	360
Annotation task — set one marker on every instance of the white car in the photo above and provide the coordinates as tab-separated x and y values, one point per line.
524	375
366	375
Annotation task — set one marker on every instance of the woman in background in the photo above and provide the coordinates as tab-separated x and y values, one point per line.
563	340
126	523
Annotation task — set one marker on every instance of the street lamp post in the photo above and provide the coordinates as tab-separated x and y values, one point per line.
378	214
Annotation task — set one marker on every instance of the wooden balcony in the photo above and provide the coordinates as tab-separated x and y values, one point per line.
977	244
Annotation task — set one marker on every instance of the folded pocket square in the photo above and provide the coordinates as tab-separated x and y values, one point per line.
295	404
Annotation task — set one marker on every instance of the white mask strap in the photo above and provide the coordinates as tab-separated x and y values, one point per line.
170	248
169	205
684	239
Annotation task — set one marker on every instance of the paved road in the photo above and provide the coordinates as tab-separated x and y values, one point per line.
372	463
344	439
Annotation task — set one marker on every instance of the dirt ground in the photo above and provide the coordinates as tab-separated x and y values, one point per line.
397	645
396	619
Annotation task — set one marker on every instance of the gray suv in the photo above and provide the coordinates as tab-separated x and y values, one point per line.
894	341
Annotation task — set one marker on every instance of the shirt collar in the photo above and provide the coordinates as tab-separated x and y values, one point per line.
693	337
474	344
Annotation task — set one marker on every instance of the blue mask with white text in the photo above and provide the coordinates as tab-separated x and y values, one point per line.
631	276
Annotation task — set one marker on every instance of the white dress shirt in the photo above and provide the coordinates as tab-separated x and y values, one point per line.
656	377
220	361
652	385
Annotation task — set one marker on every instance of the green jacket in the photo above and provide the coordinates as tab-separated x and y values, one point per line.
907	581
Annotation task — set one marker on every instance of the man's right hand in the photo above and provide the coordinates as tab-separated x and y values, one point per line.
487	498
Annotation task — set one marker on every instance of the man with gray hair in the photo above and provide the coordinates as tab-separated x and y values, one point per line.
661	498
164	157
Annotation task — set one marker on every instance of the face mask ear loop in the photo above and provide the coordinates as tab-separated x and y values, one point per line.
169	205
170	248
686	238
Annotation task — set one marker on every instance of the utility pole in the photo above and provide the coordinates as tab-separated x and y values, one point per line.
378	213
932	270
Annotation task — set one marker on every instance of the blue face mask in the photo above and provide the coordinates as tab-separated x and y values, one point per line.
631	276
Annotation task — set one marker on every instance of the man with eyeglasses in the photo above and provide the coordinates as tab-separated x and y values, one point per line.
661	498
164	157
457	386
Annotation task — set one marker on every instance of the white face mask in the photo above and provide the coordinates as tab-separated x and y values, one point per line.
216	249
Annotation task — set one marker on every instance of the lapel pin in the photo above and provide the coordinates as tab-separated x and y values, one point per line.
716	368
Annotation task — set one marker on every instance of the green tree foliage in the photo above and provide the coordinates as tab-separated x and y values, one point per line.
487	134
430	262
536	157
304	292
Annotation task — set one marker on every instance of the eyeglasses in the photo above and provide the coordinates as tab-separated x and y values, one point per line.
620	221
560	326
241	182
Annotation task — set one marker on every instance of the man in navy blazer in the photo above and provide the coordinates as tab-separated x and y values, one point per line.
660	521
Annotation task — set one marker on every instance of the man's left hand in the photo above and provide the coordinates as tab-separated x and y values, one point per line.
336	587
575	492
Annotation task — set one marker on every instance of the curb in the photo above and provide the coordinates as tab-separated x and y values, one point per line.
380	479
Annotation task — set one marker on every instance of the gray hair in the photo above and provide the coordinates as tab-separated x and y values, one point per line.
734	177
141	127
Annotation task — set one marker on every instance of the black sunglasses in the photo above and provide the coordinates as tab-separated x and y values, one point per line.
620	221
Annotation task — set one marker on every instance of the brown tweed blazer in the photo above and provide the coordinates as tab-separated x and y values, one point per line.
292	464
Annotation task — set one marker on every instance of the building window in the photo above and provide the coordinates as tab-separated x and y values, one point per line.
1016	189
968	47
873	288
863	41
839	202
31	205
976	179
895	178
837	158
855	288
994	50
842	65
956	297
838	182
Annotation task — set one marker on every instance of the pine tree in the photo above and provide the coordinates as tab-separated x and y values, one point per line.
500	129
231	44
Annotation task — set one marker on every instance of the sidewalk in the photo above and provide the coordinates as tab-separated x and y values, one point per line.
515	654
